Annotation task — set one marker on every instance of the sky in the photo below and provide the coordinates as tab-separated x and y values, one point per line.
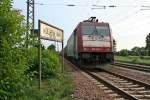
128	22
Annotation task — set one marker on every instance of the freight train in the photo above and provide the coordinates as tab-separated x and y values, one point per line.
90	43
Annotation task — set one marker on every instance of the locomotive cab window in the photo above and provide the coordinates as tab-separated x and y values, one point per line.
87	30
99	30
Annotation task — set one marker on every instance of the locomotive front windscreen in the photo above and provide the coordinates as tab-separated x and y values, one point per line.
96	36
95	30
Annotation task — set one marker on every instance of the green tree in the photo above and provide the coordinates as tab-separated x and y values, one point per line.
136	51
114	45
123	52
13	64
51	47
143	51
148	43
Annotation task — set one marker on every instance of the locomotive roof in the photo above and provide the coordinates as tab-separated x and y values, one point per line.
92	23
95	23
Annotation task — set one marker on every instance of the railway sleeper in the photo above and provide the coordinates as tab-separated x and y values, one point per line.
127	83
105	88
133	89
112	86
108	91
119	99
142	96
139	88
145	92
139	96
132	85
114	95
128	86
122	81
147	96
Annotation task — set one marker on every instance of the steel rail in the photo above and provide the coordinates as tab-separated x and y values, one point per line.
129	79
132	66
119	91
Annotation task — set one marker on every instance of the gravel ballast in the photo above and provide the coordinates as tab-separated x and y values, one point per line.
85	87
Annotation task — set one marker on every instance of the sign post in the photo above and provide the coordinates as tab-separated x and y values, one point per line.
62	56
51	33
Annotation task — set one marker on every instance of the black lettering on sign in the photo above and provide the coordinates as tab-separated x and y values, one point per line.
52	34
58	35
49	32
45	30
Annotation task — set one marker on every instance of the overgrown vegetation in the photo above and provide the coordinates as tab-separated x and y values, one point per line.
137	51
134	59
135	55
19	65
55	84
54	88
139	55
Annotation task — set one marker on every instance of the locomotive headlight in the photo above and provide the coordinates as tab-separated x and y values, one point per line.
85	49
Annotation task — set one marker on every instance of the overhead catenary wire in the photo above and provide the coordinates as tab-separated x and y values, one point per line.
93	5
88	12
97	1
131	15
71	5
138	26
118	14
97	6
145	7
127	17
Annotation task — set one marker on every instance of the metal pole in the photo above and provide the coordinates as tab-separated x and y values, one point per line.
30	20
62	56
33	16
39	55
27	33
33	34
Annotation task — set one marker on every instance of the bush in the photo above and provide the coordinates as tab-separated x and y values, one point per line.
50	63
13	62
13	80
31	55
56	88
19	65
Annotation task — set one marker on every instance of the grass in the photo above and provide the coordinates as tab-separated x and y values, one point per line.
134	59
56	88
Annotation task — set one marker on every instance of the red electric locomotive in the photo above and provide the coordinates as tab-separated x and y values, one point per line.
91	42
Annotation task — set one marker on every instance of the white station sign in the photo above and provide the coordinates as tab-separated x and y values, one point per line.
50	32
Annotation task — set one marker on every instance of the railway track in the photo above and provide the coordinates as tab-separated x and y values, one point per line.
144	68
120	86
